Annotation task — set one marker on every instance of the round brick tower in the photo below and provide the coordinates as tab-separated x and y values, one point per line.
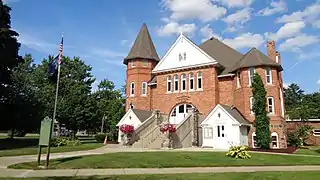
140	61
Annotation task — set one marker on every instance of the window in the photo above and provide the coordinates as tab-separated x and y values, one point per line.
174	113
132	89
268	75
238	79
181	108
191	81
199	80
169	84
251	74
220	130
270	105
274	140
316	132
180	57
144	89
176	83
144	63
208	132
133	63
254	140
183	82
251	105
184	56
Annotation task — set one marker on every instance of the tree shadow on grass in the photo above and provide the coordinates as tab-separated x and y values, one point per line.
16	143
68	159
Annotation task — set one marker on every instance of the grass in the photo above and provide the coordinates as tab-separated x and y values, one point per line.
170	159
311	151
29	146
308	175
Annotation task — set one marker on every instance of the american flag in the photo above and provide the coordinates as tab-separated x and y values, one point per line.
60	51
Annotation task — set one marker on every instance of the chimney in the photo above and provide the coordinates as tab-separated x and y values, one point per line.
278	57
271	46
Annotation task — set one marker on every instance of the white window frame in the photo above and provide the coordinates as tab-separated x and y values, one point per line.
184	80
254	141
268	69
191	77
274	134
169	84
221	131
251	105
208	132
238	79
144	63
132	89
316	132
199	77
176	83
144	88
133	63
272	105
251	75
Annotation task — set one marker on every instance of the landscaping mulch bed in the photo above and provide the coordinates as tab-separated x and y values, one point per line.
289	150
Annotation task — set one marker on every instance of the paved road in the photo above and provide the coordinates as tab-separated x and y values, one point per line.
105	172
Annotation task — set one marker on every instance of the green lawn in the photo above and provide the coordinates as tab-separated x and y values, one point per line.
170	159
197	176
311	151
29	145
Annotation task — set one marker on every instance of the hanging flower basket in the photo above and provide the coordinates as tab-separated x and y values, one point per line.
167	127
126	129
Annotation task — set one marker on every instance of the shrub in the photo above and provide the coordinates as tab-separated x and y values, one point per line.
62	141
100	137
238	152
17	133
317	150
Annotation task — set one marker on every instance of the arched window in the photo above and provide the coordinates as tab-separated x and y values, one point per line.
176	83
274	140
254	140
169	84
199	80
270	105
144	89
132	89
251	105
183	82
191	82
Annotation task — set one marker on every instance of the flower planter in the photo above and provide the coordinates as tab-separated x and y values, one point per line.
127	131
167	131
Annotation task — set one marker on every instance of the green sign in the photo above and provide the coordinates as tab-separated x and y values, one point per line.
45	131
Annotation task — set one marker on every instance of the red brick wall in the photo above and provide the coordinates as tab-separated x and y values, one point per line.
226	90
312	140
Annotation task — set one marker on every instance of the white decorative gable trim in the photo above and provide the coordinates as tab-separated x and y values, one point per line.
205	121
183	54
129	113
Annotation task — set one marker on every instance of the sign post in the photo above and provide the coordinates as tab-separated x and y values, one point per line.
45	137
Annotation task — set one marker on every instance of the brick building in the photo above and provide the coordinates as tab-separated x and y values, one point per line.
202	77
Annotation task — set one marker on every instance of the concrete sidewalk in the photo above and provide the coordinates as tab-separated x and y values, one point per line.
106	172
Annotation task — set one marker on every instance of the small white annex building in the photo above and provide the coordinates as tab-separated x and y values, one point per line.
134	117
224	127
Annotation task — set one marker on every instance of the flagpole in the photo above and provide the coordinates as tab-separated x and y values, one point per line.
55	108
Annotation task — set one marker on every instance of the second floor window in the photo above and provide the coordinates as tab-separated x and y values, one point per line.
268	75
251	105
176	83
132	89
169	84
191	81
183	82
251	74
270	105
144	89
199	80
238	79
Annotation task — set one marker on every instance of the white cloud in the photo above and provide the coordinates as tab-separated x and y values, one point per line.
238	19
235	3
203	10
287	30
208	33
173	28
309	14
105	53
276	7
39	44
318	82
296	43
286	85
316	24
245	40
9	1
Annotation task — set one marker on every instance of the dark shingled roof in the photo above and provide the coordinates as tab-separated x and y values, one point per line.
153	80
143	47
142	114
254	58
234	112
225	55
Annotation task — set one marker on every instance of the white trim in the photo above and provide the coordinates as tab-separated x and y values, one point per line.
238	73
149	84
144	94
225	75
185	82
277	59
270	75
167	86
191	78
175	87
299	120
183	67
272	100
125	116
251	105
317	133
173	46
131	89
199	77
277	141
206	132
281	102
254	70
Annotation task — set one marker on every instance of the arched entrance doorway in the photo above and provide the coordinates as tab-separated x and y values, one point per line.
179	112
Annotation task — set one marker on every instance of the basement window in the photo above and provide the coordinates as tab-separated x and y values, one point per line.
316	132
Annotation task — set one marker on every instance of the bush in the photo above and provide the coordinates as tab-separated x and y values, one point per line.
294	140
100	137
62	141
17	133
238	152
317	150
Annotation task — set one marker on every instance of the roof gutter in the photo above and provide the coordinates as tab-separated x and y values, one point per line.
225	75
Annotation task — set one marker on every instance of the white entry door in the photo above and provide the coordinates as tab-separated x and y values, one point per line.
179	113
220	139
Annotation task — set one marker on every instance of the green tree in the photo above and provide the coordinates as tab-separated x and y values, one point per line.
293	96
262	123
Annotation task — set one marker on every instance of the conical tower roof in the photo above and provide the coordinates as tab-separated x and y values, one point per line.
143	47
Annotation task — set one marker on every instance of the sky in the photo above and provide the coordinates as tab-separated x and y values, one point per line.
101	32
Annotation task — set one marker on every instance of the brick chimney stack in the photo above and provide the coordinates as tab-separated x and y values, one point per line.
271	46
